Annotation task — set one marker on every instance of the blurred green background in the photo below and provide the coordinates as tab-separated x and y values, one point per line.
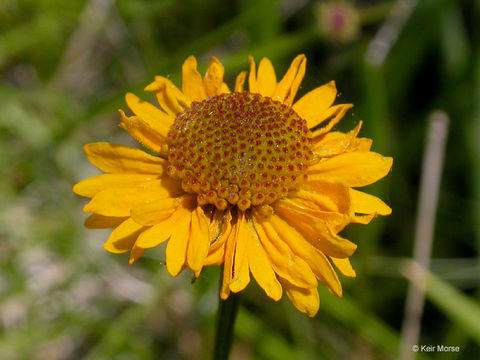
64	69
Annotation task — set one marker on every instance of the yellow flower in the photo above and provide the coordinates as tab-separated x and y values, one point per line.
239	179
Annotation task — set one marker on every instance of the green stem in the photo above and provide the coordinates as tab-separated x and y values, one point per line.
227	312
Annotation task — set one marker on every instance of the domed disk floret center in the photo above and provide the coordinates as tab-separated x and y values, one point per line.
239	149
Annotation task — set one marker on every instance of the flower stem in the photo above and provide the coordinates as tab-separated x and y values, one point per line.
227	313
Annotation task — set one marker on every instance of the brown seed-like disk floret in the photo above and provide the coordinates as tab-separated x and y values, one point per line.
240	149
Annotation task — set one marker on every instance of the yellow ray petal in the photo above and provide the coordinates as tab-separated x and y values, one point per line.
287	87
176	251
198	241
135	254
227	275
240	81
334	142
252	76
363	219
296	83
344	266
285	263
316	231
112	158
159	233
305	300
364	203
261	268
215	257
332	219
120	202
150	114
153	212
224	89
324	196
361	145
313	105
241	274
266	78
96	221
213	79
334	114
92	186
144	133
317	261
220	229
123	237
192	82
354	169
170	98
224	290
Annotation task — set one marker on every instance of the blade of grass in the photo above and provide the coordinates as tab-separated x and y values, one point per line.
427	207
459	308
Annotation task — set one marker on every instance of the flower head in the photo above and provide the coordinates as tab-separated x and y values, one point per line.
338	21
239	179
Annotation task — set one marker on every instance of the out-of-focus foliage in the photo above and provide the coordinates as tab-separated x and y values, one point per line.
64	69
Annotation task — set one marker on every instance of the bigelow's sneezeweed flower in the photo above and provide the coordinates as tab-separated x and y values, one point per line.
238	178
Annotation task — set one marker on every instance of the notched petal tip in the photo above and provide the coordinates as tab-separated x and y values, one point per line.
192	83
299	61
287	88
190	62
213	79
